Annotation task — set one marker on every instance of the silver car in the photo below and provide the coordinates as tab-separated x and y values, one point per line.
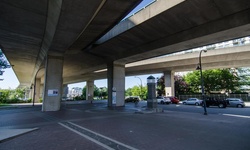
235	102
192	101
163	100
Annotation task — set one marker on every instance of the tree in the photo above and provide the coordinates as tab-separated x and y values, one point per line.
180	85
193	80
214	80
3	63
244	77
84	89
103	92
97	92
19	93
4	95
229	80
13	96
160	88
137	91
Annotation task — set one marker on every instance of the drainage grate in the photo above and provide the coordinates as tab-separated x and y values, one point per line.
99	139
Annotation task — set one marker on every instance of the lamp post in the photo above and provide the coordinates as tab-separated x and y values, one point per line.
199	67
140	86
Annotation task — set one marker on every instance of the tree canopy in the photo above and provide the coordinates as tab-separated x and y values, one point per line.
102	92
137	91
215	80
3	63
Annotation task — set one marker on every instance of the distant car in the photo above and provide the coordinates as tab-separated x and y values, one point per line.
211	101
174	100
163	100
192	101
132	99
235	102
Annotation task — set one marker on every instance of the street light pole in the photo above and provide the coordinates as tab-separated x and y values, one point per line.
202	82
141	86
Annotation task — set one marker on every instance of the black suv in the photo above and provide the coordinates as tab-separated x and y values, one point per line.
132	99
211	101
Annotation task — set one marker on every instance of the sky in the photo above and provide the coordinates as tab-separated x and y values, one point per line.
130	81
11	82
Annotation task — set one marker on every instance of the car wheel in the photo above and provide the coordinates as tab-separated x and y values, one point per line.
184	103
220	105
197	104
239	106
162	102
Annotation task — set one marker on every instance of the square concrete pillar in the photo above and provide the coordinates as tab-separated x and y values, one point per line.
53	83
90	90
65	91
169	83
116	84
37	90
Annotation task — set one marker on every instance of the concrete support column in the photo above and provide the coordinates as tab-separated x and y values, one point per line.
41	90
110	67
116	84
37	90
90	90
65	91
169	83
53	83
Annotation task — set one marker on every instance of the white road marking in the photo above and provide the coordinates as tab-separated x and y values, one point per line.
87	137
93	140
241	116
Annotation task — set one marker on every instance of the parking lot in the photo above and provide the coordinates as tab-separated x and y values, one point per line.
81	125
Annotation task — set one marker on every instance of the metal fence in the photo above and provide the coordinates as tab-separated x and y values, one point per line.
244	97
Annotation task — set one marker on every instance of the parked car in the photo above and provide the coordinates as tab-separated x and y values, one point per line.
163	100
192	101
174	99
235	102
132	99
211	101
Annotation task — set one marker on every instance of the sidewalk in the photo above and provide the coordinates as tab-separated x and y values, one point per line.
6	134
94	126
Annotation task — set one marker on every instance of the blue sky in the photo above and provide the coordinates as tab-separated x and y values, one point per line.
130	81
11	81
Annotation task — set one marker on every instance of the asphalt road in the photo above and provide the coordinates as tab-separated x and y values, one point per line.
82	125
198	109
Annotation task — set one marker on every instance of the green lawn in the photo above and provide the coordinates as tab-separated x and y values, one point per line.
3	104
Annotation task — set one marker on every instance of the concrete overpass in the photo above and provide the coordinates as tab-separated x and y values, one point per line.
229	57
64	36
